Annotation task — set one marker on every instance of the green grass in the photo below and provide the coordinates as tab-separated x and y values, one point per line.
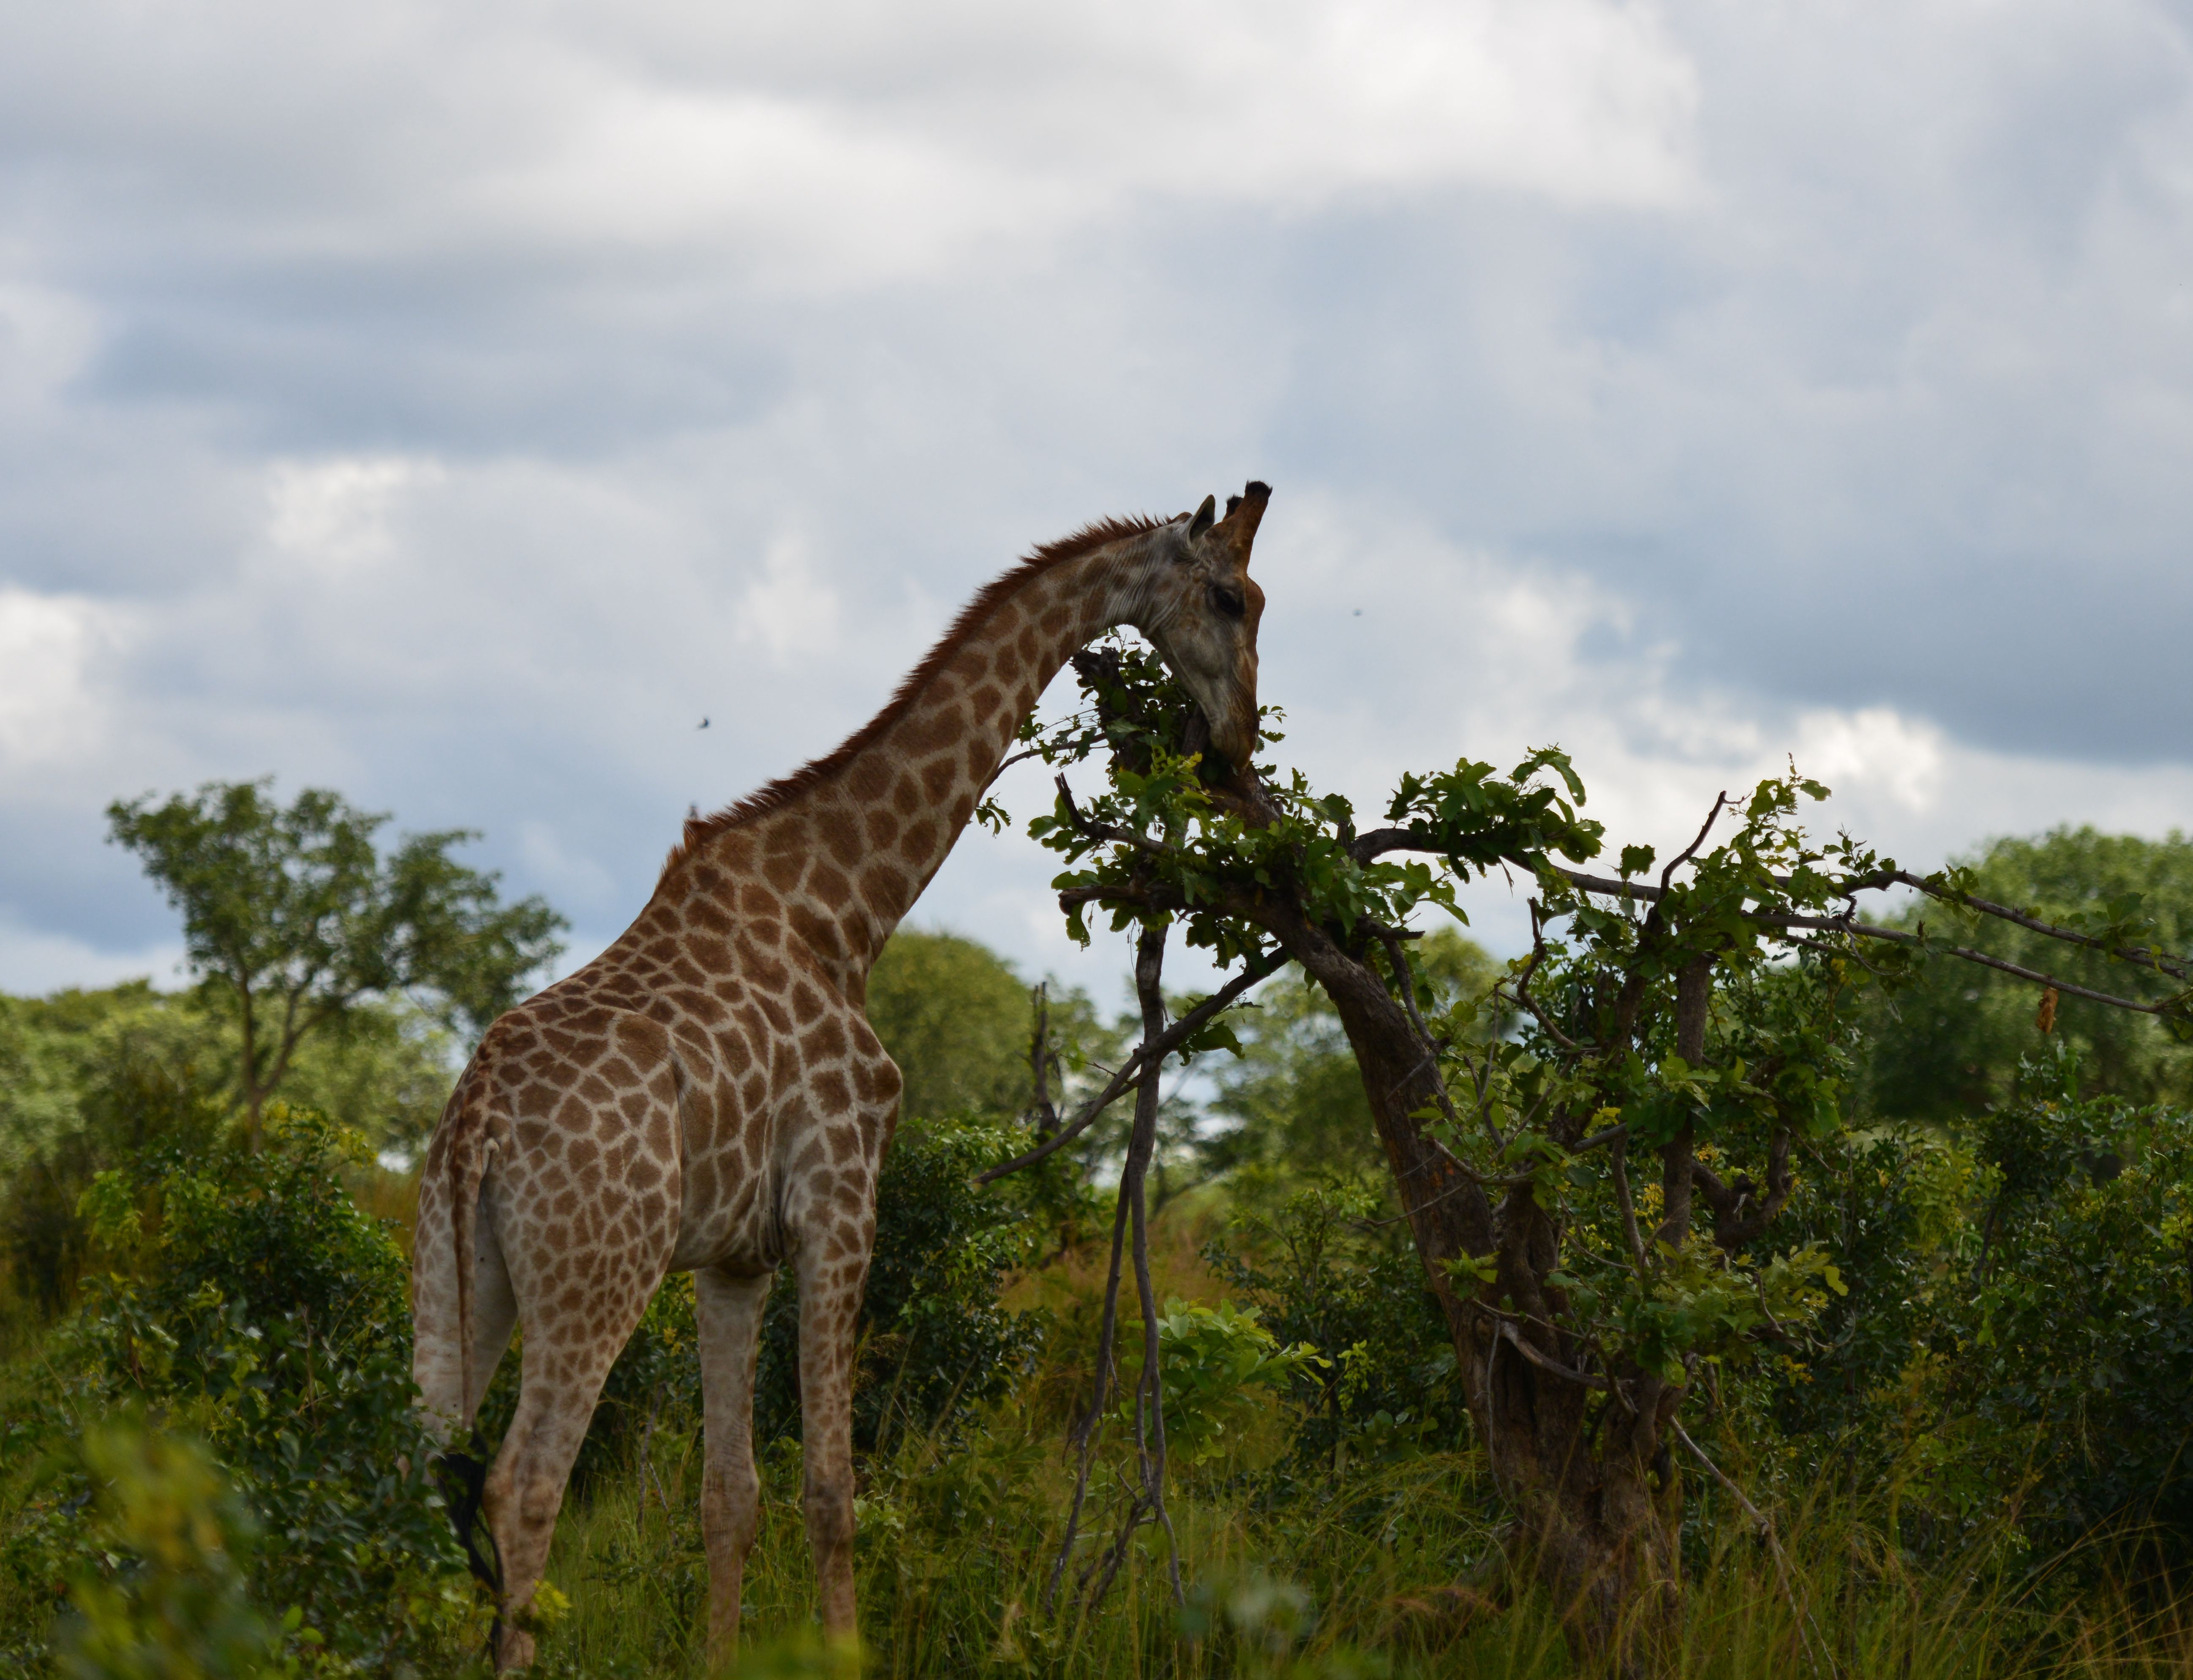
955	1549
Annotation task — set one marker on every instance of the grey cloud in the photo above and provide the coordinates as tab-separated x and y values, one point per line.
1828	360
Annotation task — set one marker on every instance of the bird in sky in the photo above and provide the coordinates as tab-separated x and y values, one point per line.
704	723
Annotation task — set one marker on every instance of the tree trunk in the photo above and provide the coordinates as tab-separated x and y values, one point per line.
1593	1487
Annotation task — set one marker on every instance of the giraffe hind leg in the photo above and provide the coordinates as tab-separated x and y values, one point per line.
565	1361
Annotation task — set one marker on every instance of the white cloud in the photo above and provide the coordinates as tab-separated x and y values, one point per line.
333	515
788	609
33	963
52	707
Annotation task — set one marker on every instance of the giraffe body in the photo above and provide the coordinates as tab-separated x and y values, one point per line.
706	1095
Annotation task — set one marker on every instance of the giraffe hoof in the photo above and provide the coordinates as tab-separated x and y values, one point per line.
515	1652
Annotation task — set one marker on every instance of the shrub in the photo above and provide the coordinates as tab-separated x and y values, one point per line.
1212	1361
1325	1273
169	1601
252	1302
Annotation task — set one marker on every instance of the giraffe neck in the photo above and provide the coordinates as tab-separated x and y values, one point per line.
847	856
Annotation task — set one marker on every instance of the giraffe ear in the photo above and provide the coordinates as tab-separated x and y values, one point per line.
1206	516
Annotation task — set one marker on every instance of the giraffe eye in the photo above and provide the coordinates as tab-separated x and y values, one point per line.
1227	600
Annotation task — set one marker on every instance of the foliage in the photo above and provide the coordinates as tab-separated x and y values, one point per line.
956	1019
2017	1344
1157	833
292	918
121	1081
1330	1270
1293	1092
1950	1044
250	1301
1212	1361
1894	1206
2077	1333
384	1071
88	1080
171	1604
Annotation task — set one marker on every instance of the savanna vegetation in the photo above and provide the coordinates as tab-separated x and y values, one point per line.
1725	1286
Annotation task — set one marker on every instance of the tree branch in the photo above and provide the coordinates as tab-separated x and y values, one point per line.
1602	885
1150	1055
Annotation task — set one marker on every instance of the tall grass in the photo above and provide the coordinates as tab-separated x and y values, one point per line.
1398	1571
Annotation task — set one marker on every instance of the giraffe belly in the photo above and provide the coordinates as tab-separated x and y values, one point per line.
732	1218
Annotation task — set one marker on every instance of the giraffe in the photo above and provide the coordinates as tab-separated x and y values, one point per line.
706	1095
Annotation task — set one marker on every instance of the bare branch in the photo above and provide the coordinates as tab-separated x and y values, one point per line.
1581	1379
2141	956
1841	925
1692	850
1109	831
1523	982
1150	1055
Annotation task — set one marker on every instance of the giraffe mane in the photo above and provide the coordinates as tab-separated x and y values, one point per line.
774	796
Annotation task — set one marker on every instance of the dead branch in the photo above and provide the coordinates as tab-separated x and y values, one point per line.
1149	1055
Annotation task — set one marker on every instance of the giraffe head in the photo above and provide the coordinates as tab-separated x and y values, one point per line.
1201	613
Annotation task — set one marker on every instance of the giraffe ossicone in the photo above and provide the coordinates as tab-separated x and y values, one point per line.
707	1095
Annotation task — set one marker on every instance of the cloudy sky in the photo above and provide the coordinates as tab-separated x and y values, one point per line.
453	404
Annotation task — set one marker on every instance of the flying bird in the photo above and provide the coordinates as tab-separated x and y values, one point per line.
704	723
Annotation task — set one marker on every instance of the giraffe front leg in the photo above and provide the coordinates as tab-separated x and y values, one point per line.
731	1312
833	1265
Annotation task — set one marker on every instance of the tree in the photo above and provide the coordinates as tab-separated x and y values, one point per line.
957	1020
1948	1045
955	1017
293	918
1700	1022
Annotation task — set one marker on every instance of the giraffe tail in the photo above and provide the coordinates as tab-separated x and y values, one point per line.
445	1269
445	1266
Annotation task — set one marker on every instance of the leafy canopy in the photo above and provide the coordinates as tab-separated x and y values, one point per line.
292	916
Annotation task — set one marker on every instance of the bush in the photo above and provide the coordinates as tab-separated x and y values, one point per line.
1325	1273
250	1300
2078	1333
169	1601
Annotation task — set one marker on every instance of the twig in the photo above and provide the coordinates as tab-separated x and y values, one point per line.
1692	850
1843	924
1773	1546
2143	956
1147	1500
1111	831
1085	1436
1619	1157
1011	760
1149	1055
